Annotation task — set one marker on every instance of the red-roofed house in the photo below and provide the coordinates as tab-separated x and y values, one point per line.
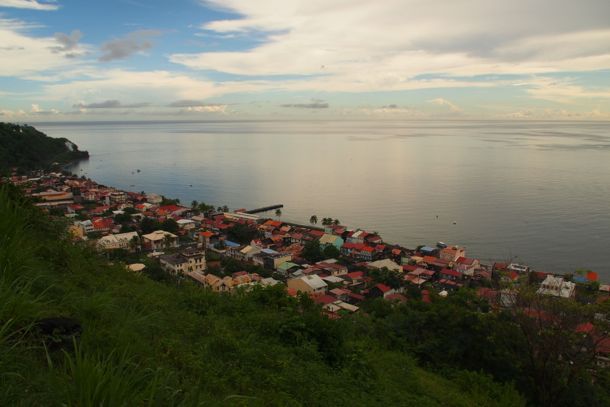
381	290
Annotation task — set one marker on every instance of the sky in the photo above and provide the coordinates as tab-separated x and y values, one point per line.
304	59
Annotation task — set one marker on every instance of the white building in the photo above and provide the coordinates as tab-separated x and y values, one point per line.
557	287
160	239
119	241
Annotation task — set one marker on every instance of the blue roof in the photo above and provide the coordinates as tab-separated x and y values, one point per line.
580	279
231	244
427	249
269	251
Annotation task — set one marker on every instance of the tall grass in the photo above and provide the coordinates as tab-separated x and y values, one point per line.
93	380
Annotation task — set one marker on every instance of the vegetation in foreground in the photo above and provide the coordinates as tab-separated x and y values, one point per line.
124	339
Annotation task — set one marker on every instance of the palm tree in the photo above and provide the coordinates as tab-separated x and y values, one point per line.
194	204
134	243
278	213
313	220
336	222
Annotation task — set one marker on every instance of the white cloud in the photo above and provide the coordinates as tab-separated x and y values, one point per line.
208	109
24	55
445	103
359	45
30	4
564	91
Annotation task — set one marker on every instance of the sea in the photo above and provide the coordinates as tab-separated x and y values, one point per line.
531	192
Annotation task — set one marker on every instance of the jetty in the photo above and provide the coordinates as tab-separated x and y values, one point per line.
264	209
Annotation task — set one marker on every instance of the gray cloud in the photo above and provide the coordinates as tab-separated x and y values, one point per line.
108	104
186	103
392	106
315	104
128	45
67	42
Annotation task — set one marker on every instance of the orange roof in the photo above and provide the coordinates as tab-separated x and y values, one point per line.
592	276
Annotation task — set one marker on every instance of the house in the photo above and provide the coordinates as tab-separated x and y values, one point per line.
186	224
270	259
385	263
86	226
311	284
452	253
557	287
125	241
102	224
331	240
467	266
381	290
185	261
159	239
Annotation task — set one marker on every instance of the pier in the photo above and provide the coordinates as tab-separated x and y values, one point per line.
265	209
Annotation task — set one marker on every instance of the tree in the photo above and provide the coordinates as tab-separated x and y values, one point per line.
194	204
278	213
558	355
149	225
242	233
327	221
134	243
336	222
331	252
225	208
312	251
170	225
313	220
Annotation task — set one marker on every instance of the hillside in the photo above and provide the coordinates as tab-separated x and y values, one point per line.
27	148
143	342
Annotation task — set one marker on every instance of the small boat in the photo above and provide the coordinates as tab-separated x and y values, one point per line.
454	222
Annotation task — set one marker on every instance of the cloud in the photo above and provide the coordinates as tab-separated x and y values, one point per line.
444	102
30	4
209	108
25	55
132	43
108	104
37	110
314	104
388	49
67	42
563	90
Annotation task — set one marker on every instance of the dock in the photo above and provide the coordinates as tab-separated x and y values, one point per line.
264	209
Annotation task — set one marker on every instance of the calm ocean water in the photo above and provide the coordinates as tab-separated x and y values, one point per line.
536	192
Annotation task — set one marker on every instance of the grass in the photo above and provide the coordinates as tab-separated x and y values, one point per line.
146	343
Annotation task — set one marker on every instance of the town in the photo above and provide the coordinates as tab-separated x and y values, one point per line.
336	266
339	266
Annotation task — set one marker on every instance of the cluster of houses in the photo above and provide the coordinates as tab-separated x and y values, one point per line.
364	265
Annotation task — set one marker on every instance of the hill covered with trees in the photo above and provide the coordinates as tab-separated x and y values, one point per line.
25	147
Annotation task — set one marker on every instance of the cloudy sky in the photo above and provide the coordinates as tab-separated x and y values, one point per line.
242	59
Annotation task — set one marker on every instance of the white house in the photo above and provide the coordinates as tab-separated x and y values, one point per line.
160	239
557	287
119	241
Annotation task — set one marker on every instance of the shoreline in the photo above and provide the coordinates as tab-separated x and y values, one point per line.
304	225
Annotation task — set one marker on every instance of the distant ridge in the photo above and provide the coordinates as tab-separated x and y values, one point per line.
25	147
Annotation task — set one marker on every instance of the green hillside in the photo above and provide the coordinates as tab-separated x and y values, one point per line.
150	343
27	148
